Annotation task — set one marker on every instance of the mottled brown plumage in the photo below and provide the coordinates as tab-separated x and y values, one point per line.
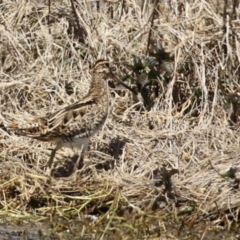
73	125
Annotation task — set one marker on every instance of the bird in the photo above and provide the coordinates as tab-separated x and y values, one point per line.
73	125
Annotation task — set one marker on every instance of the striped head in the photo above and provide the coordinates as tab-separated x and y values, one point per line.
102	67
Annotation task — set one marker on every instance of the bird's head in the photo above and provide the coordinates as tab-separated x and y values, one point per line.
102	67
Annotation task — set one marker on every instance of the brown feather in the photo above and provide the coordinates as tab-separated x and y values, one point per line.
80	120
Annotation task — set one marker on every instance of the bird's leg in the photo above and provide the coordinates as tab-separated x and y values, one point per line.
50	161
83	147
79	159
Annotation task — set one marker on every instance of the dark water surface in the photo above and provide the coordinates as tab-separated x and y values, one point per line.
76	229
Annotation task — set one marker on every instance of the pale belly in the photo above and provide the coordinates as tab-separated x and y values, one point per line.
79	143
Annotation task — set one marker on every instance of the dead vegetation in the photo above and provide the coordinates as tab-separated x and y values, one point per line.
174	160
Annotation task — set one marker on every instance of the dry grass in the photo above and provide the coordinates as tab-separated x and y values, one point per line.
44	67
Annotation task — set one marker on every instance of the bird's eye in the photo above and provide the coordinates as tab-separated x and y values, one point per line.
107	65
114	69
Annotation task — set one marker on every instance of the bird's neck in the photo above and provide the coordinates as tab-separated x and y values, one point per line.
98	87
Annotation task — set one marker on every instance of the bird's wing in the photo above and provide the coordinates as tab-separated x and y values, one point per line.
80	118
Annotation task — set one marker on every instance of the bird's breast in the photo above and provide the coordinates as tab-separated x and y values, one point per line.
75	142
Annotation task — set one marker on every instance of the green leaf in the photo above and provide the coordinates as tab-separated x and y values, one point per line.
153	75
137	64
168	67
187	209
144	93
143	79
128	78
161	55
197	92
150	62
230	173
